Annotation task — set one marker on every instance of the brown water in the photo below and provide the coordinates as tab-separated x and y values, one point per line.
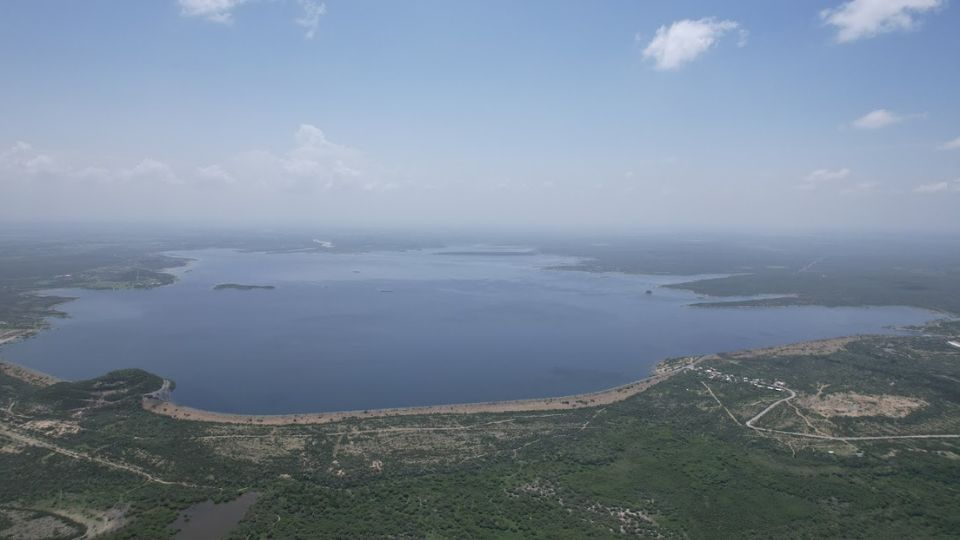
209	521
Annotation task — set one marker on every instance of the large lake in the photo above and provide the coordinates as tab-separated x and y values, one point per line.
384	329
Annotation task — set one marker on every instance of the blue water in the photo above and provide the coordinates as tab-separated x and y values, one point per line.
384	329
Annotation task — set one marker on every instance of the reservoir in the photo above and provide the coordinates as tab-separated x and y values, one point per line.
403	328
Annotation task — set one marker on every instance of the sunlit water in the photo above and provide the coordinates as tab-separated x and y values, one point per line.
383	329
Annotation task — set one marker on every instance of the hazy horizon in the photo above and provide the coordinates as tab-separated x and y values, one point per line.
495	115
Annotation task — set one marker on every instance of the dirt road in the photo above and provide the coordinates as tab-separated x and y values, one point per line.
29	440
751	424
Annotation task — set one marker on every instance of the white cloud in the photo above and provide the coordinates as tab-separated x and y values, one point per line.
150	170
859	19
743	34
22	160
939	187
215	174
951	145
313	163
821	177
312	11
685	40
220	11
97	174
861	187
932	188
882	118
314	156
826	175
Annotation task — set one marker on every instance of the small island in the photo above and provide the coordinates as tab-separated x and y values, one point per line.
241	287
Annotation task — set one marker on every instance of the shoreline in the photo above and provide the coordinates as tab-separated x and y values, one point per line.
27	375
155	403
13	335
159	401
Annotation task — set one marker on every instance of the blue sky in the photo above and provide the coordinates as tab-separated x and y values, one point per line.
553	113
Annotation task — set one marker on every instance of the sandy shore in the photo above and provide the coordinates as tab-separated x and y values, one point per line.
578	401
157	402
664	371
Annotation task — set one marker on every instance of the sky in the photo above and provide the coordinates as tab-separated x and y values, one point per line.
824	114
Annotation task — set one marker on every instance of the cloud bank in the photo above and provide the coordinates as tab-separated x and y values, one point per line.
313	163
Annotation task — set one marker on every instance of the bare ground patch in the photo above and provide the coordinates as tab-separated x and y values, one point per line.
852	404
11	447
30	524
27	375
96	522
53	428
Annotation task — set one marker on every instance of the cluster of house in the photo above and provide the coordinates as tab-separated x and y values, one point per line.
717	375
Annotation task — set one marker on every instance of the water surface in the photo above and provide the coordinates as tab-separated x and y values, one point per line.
208	520
386	329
